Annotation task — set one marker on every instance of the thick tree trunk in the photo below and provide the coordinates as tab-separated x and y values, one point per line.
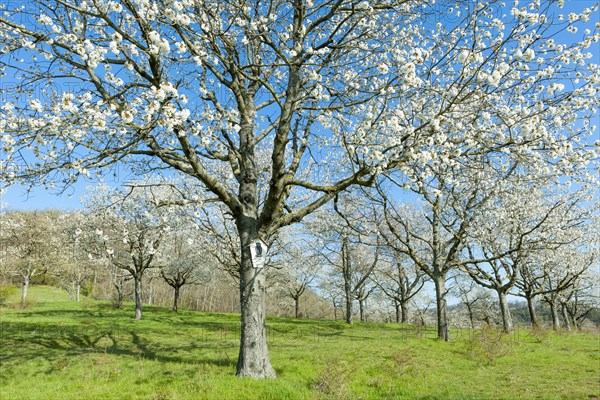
404	308
554	312
507	323
442	309
566	318
253	360
532	313
138	297
398	312
297	306
348	294
176	299
334	311
77	292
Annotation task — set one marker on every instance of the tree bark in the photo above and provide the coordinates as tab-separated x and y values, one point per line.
397	307
119	297
471	314
554	312
404	308
507	323
442	309
532	313
253	360
77	292
176	299
566	318
138	297
361	306
348	293
25	290
297	306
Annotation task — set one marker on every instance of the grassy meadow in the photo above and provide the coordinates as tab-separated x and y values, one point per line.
58	349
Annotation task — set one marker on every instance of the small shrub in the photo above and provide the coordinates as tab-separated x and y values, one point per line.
5	293
333	379
487	344
418	328
87	289
538	333
404	363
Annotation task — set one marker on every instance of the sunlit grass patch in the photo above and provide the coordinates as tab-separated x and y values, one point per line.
64	350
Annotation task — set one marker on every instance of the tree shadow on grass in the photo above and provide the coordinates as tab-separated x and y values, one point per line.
22	342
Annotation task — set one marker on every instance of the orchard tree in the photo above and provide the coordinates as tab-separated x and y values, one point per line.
348	242
131	228
521	218
475	299
77	266
32	244
433	233
299	266
580	299
552	261
332	292
182	263
567	274
399	280
275	107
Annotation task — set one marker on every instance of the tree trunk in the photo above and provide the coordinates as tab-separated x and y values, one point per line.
334	311
77	292
507	324
532	313
253	360
442	309
150	291
566	318
361	309
471	314
404	308
25	289
138	297
120	300
554	312
297	306
176	298
397	307
348	293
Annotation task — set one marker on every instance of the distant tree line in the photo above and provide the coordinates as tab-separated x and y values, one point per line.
363	258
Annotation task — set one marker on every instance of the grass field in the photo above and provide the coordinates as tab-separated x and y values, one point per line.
58	349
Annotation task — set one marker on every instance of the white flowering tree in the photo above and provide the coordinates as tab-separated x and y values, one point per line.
182	263
31	245
400	280
78	266
553	271
580	299
434	233
131	228
288	101
298	265
522	219
347	241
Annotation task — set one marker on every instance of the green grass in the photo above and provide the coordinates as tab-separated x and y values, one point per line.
58	349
